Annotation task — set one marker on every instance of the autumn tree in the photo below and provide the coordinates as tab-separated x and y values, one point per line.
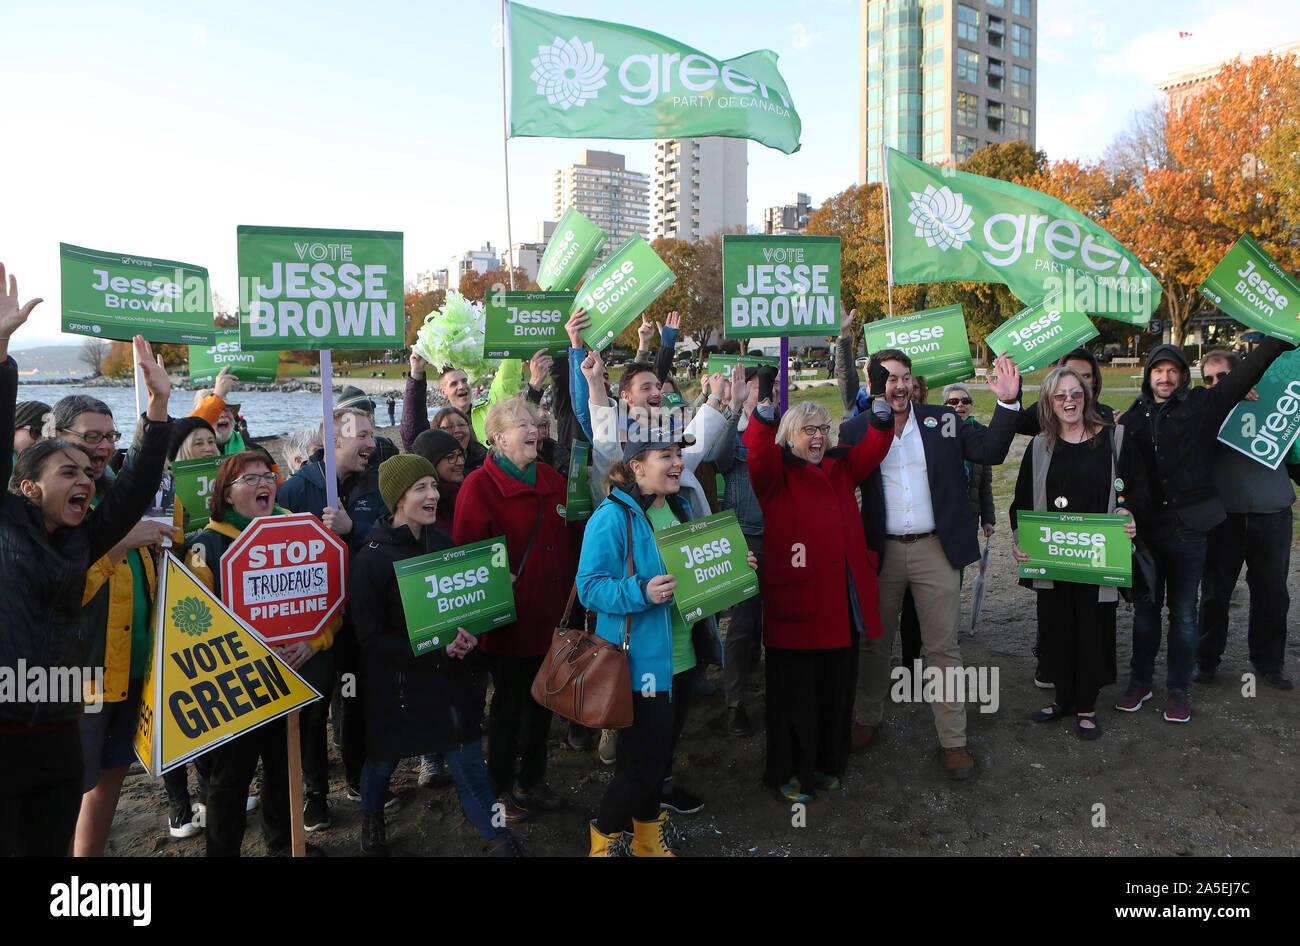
1142	146
417	306
119	362
475	286
1005	162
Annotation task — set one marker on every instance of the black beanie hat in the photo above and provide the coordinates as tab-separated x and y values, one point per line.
182	428
435	444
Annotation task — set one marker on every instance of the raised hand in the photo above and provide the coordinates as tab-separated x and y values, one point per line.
539	366
847	317
1007	383
578	321
593	369
224	383
418	364
739	387
674	320
156	381
12	315
644	332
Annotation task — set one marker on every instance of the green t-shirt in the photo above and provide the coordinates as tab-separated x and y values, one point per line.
683	649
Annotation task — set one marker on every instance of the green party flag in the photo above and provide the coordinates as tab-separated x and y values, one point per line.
572	77
950	226
1266	429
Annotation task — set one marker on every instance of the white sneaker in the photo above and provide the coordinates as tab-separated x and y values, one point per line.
252	803
186	830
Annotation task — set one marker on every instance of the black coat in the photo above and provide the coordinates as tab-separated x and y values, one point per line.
948	445
413	705
43	574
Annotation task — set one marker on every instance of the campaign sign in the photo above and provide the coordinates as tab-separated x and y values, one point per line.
1089	548
194	479
468	586
780	285
710	560
1264	430
520	323
1250	286
725	363
206	361
116	295
620	289
934	339
317	289
578	504
287	576
574	245
1036	337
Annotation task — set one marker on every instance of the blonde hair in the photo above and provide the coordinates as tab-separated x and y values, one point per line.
503	415
1047	419
798	416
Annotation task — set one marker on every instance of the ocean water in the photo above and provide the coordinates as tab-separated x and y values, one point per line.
268	413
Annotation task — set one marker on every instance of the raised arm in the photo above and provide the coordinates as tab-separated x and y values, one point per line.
415	403
1223	397
766	468
667	345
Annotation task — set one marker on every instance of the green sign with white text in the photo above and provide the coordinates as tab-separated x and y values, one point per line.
578	504
573	247
1250	286
710	560
519	323
935	340
1091	548
194	479
725	363
114	295
1038	336
206	361
317	289
1264	430
780	286
468	586
620	289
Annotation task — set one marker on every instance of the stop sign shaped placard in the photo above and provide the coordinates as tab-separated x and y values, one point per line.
286	576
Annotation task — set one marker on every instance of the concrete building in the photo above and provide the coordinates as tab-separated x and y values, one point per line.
609	195
700	187
528	256
430	280
788	219
940	79
1187	84
479	261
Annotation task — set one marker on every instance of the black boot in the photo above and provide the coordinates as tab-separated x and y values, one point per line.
374	838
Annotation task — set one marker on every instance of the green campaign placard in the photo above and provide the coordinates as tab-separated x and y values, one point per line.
1090	548
620	289
1250	286
519	323
194	479
725	363
115	295
710	560
1038	336
573	247
780	285
206	361
1265	430
578	504
934	339
316	289
468	586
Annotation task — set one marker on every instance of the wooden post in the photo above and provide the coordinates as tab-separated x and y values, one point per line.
297	831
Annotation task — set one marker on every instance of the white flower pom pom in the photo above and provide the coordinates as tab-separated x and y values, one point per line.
453	335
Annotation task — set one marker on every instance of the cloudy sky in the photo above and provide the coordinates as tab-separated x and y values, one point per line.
157	128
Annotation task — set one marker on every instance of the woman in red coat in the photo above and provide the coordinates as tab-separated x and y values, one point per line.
517	496
819	589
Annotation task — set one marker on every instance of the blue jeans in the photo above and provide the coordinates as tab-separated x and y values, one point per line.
467	768
1180	560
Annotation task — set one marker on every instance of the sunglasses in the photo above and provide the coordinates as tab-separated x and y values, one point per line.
1212	379
956	401
1061	397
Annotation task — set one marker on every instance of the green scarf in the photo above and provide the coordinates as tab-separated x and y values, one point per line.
528	475
242	522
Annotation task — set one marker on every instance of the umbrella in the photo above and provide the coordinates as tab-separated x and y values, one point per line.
977	593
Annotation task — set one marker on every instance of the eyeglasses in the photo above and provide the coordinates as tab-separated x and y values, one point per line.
455	456
1212	379
1061	396
93	437
955	401
813	430
257	479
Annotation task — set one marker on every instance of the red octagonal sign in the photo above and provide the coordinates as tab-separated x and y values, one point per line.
286	576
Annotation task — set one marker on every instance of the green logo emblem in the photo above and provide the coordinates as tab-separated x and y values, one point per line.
192	616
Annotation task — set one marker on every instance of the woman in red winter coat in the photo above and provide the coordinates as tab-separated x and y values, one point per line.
819	589
517	496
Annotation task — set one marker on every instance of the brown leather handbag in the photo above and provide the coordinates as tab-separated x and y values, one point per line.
584	677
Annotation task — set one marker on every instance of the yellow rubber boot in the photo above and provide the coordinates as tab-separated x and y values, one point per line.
605	845
649	838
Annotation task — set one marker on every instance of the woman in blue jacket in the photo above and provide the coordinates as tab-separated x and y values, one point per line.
662	650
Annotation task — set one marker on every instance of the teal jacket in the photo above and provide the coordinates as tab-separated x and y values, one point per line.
604	587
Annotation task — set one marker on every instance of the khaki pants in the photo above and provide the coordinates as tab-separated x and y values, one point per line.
936	587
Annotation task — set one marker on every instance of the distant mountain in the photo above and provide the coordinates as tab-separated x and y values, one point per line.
49	362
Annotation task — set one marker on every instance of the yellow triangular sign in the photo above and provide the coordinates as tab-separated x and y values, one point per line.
211	677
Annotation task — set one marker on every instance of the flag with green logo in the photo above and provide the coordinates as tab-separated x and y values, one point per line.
572	77
1250	286
1266	429
950	226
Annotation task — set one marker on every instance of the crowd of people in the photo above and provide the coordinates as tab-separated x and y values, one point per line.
840	577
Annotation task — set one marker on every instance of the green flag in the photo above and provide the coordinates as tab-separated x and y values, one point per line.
572	77
949	226
1264	430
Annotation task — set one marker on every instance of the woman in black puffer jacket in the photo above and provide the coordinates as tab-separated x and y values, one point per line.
47	542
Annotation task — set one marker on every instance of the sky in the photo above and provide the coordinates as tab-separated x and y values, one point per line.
155	129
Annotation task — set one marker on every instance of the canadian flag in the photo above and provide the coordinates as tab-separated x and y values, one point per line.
1182	33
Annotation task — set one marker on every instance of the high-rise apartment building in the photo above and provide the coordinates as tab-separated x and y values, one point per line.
700	187
941	78
604	191
788	219
478	261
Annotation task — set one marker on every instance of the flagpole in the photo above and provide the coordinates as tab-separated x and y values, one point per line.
889	240
505	141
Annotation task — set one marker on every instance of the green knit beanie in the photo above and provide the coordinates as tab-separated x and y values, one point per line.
398	474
